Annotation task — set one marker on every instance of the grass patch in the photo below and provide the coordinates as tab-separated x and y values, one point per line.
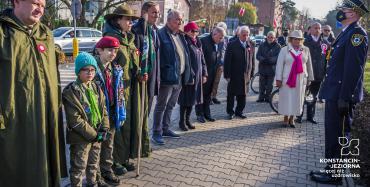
367	76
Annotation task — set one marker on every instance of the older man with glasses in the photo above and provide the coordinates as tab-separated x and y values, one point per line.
328	34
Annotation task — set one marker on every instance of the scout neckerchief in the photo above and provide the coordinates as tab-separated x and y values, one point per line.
89	97
148	49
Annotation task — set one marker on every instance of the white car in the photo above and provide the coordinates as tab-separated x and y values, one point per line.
87	38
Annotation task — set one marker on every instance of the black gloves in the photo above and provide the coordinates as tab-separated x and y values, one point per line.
343	107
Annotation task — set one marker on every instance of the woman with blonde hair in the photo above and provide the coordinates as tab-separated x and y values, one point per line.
293	74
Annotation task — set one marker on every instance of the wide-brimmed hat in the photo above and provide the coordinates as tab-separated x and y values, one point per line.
122	10
356	5
296	34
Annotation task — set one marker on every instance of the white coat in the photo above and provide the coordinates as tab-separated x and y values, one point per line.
291	100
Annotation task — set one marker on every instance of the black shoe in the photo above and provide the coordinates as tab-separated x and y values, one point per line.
91	185
260	100
118	169
201	119
216	101
292	125
326	179
312	120
101	183
170	134
209	118
129	166
182	127
112	180
231	116
242	116
298	119
189	125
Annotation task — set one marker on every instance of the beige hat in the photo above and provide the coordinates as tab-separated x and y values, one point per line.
296	34
122	10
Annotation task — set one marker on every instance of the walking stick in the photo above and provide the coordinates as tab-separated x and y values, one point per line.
142	112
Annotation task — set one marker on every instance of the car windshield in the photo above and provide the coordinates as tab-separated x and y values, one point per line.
59	32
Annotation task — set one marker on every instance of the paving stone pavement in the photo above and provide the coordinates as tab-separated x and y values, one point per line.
257	151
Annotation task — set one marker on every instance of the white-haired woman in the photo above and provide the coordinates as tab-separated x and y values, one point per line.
293	73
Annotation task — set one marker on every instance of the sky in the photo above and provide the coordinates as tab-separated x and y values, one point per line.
317	8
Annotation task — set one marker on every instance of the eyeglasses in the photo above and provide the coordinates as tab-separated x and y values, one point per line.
327	30
195	31
88	70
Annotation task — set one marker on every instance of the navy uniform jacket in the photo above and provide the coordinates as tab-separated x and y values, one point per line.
345	68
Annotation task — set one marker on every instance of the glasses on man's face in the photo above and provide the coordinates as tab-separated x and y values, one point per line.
327	30
88	70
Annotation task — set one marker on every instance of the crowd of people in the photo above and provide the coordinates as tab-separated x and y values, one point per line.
107	107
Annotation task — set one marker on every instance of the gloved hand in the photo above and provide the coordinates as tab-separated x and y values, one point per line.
343	107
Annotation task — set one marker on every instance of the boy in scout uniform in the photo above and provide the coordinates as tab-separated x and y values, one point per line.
87	121
342	88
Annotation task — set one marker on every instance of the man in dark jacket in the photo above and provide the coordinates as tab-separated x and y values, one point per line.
150	70
239	66
267	55
211	56
283	40
175	70
328	34
318	47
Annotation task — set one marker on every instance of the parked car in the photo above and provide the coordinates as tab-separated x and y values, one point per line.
87	38
259	39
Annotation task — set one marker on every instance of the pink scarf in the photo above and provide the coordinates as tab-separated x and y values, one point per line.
297	68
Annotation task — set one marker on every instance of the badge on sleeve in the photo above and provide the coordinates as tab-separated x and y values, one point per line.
357	39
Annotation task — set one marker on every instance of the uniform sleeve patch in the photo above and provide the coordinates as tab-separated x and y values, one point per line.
357	39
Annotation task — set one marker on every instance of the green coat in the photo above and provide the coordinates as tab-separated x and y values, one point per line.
29	137
78	128
126	141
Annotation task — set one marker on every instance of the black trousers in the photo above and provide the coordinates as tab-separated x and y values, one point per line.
266	85
311	107
336	126
240	104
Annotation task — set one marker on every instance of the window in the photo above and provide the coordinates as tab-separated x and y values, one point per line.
86	33
96	34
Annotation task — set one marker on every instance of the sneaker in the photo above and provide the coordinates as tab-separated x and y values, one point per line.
118	169
157	139
112	180
170	134
216	101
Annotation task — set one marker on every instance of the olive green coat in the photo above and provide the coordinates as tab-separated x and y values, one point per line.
29	103
126	141
79	130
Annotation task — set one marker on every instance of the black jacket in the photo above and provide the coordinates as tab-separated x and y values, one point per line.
239	66
154	75
317	56
267	55
282	41
212	58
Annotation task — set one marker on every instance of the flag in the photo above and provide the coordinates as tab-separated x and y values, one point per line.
275	23
241	12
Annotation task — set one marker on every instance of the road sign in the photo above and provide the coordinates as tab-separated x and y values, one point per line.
76	7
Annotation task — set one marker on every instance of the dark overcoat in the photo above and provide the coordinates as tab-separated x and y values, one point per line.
317	50
267	55
212	57
239	67
193	94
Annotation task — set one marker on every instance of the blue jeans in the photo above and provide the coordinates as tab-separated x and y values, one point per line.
166	100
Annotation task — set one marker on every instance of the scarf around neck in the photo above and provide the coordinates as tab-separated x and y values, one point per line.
297	68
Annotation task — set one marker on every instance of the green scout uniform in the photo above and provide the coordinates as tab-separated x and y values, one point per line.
126	141
81	134
29	137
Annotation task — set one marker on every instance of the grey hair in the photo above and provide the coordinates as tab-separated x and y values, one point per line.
327	26
244	28
222	24
271	33
172	14
217	30
315	23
